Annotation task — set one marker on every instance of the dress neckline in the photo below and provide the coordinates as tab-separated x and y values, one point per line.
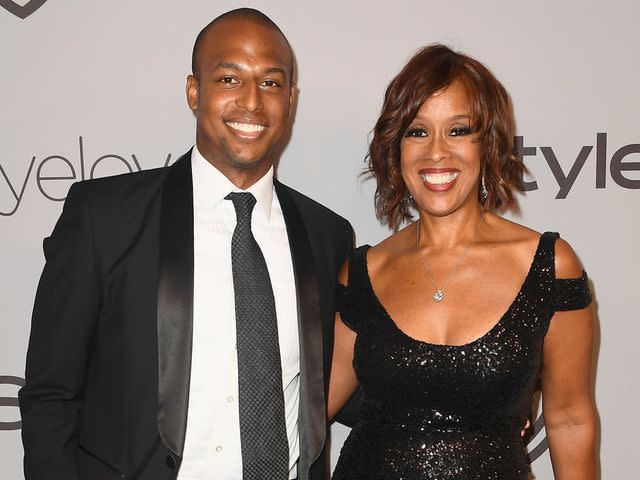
394	325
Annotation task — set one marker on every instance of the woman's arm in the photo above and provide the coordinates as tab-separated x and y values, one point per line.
567	383
342	381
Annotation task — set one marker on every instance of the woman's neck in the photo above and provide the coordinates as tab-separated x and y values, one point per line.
457	228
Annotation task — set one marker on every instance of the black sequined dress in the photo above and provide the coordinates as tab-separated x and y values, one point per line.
442	412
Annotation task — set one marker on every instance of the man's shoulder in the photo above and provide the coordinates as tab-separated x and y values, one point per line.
117	204
130	186
330	234
125	191
309	206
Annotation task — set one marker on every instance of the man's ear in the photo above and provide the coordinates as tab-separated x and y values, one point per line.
193	93
293	97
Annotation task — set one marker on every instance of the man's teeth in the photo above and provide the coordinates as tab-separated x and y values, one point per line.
246	127
439	178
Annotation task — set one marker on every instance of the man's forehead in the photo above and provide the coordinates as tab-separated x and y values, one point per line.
244	29
230	40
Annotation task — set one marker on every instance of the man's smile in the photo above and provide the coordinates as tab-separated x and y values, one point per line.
251	128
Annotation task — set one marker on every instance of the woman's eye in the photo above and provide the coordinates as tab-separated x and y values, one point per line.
460	131
416	132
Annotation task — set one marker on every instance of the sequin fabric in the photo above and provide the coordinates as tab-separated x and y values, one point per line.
442	412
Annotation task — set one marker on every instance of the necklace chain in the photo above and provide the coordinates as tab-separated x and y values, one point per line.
438	296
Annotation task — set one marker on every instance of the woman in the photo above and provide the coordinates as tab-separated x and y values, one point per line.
451	323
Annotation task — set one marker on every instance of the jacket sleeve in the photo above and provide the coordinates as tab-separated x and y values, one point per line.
62	325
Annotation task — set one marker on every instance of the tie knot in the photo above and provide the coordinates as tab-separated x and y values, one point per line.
243	202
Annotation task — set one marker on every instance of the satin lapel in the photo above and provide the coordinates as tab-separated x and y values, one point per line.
312	416
175	304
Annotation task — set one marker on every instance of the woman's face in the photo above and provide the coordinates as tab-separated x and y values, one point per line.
440	155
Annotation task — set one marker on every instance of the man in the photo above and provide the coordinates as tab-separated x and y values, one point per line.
166	297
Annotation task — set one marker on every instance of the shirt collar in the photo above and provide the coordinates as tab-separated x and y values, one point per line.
210	186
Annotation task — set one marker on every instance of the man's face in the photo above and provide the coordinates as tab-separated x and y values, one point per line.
242	98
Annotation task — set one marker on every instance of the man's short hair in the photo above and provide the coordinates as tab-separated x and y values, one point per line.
250	14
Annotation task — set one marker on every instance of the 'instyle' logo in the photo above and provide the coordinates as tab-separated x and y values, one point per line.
621	165
21	11
54	174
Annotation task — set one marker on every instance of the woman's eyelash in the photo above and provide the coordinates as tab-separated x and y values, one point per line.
415	132
421	132
458	131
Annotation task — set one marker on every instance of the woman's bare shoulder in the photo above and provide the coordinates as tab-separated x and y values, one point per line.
567	262
514	241
503	230
392	248
522	241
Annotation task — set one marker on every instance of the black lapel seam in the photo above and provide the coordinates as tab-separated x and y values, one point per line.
312	419
175	304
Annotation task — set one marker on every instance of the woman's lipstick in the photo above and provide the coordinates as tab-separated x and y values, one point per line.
439	179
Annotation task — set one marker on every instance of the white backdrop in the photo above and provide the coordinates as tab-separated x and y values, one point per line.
84	80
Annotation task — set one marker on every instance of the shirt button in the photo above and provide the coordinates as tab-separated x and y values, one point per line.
230	399
219	448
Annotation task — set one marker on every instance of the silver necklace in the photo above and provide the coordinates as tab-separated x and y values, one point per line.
438	296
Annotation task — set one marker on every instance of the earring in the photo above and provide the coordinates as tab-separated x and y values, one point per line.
484	193
408	199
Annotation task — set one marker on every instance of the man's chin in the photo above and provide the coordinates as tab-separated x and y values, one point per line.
251	162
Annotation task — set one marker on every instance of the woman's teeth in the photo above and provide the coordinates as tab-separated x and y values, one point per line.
439	178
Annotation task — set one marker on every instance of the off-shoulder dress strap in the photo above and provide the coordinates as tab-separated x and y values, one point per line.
568	293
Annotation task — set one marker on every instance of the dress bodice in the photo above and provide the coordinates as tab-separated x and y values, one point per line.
449	411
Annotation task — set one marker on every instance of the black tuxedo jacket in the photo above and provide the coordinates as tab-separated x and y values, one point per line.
108	365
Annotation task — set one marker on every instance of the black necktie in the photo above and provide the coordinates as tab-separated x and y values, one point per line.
263	432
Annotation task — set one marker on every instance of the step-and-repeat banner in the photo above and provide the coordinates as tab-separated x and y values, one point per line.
96	88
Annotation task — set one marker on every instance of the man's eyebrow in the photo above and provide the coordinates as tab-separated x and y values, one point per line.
230	66
276	70
239	67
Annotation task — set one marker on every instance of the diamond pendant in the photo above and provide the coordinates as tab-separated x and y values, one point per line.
438	296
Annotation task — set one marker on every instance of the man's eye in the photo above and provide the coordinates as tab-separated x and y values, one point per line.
460	131
270	83
416	132
228	80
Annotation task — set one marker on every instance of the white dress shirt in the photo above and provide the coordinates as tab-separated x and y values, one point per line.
212	444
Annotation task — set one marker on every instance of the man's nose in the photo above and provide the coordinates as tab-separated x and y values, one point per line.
249	97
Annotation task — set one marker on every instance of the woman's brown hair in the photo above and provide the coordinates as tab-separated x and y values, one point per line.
430	70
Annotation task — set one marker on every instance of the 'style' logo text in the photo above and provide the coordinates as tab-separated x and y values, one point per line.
620	165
